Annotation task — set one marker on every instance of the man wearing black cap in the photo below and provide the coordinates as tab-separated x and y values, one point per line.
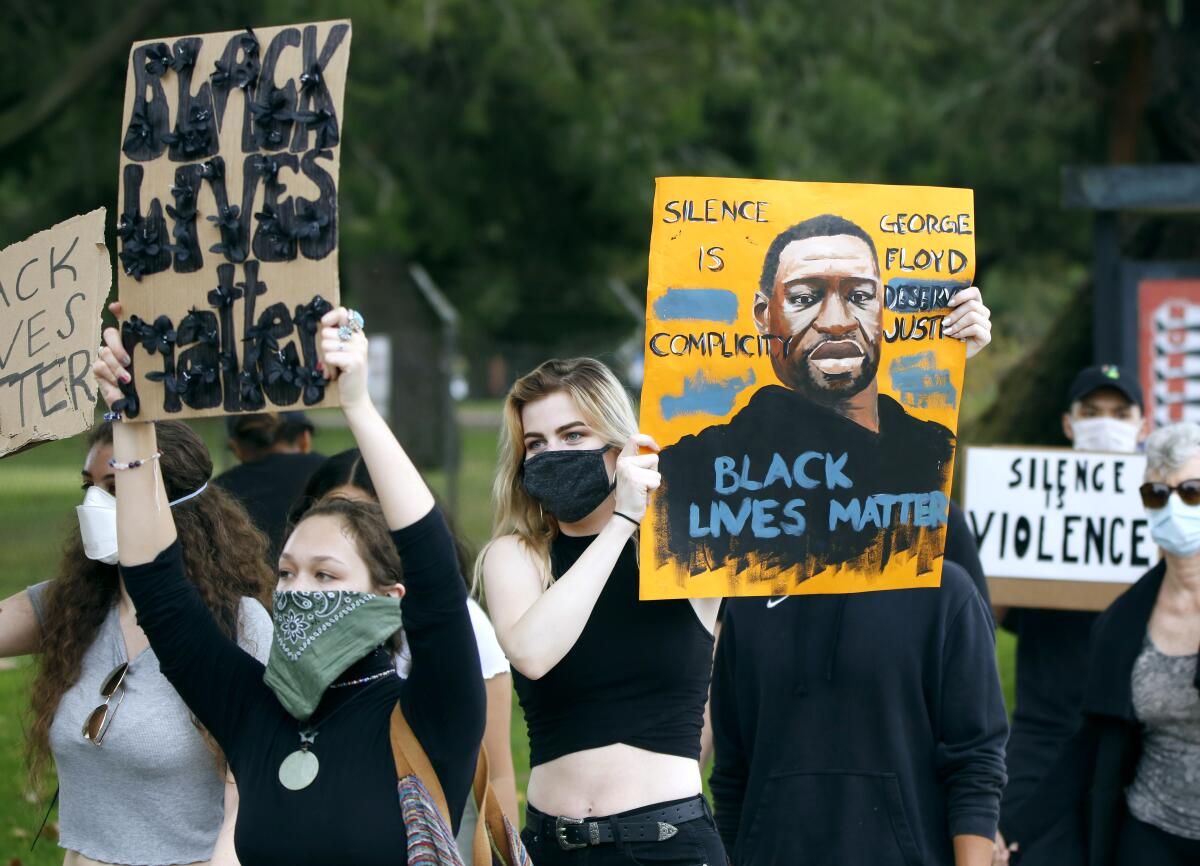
1104	413
276	461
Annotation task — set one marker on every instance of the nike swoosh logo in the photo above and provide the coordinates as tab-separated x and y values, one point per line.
772	602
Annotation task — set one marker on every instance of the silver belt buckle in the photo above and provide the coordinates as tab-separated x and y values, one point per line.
560	833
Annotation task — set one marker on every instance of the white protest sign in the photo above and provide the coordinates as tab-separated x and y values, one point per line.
52	289
1057	527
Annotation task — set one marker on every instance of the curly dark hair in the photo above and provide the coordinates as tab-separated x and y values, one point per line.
224	556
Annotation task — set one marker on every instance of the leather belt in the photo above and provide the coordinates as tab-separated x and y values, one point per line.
652	825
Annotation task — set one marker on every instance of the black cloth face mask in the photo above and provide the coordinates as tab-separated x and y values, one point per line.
570	484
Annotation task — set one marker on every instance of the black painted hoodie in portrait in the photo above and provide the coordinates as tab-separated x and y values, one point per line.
829	458
860	729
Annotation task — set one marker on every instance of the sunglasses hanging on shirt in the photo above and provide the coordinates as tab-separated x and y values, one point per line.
100	719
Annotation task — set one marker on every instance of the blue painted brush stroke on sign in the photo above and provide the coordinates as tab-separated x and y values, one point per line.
702	396
920	383
714	305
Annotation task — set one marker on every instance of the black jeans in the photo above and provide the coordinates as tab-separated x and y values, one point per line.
696	844
1141	844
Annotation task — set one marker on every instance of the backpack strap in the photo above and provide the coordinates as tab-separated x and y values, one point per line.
491	843
491	837
411	760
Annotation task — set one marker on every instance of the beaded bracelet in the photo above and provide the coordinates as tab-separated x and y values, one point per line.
133	464
112	416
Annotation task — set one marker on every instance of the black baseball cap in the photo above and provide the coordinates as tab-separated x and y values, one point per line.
1121	379
292	419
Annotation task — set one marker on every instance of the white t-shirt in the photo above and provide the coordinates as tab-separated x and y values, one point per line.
491	657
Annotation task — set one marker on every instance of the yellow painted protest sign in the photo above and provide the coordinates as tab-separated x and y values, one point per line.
798	380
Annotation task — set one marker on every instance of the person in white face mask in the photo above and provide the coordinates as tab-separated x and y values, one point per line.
1129	778
1103	413
138	781
1104	410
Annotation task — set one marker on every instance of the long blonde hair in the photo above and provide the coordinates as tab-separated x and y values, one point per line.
604	406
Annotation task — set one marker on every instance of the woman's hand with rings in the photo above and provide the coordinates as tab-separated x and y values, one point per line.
344	352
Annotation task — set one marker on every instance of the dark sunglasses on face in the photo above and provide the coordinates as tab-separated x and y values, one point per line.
1155	493
100	719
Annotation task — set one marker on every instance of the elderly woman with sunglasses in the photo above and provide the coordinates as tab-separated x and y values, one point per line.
139	781
1132	771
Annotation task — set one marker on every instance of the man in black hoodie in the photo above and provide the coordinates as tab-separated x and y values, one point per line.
851	729
859	729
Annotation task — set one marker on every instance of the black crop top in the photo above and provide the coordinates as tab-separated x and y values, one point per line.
638	674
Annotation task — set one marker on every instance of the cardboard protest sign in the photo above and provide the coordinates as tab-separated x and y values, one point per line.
53	287
230	148
1169	348
1056	527
799	382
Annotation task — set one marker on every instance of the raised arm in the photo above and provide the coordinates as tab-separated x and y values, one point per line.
443	697
144	523
537	626
215	678
403	494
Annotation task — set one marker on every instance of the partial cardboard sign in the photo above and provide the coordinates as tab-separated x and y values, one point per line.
230	151
53	287
1057	527
1169	349
798	380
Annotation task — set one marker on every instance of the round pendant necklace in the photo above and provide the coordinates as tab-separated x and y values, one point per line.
299	769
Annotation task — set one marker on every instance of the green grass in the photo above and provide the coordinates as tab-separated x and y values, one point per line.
38	490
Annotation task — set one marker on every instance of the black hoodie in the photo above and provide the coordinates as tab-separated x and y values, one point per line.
863	729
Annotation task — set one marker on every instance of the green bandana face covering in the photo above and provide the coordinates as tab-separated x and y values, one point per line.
317	635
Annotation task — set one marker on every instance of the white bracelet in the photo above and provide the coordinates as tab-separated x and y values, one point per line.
133	464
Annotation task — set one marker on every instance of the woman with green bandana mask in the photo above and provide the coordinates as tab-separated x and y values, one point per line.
308	736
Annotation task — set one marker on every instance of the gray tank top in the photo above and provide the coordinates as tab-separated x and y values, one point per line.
151	792
1166	788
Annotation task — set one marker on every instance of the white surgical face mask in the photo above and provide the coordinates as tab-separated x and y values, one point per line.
98	522
1176	527
1105	434
98	525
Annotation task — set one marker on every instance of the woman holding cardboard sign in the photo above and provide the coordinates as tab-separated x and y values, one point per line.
1131	774
319	740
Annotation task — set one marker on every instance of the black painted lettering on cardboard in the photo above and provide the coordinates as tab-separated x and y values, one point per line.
148	121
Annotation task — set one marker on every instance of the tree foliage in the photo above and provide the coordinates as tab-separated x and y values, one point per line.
511	145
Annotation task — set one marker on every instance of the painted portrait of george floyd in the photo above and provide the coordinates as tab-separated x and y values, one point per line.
799	384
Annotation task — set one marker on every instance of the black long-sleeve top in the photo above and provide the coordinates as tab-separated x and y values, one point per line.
857	729
351	811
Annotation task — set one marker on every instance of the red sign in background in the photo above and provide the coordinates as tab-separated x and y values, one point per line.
1169	349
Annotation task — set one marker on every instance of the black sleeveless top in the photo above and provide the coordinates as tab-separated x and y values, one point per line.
638	674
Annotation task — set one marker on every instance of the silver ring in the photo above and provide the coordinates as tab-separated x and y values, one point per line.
341	347
345	333
356	320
